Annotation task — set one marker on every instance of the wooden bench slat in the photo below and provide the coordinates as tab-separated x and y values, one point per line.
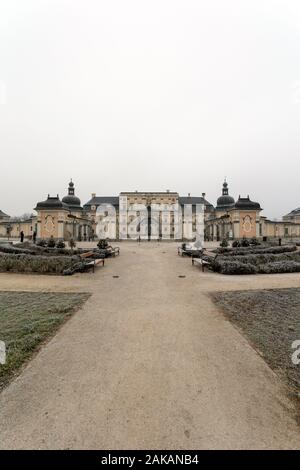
86	254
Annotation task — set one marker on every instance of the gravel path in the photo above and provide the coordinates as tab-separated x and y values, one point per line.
148	362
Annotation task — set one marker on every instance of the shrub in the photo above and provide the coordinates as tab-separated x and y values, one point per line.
244	251
13	249
279	267
102	244
265	263
254	241
60	244
37	250
236	244
245	242
263	258
51	242
39	264
224	243
41	242
232	267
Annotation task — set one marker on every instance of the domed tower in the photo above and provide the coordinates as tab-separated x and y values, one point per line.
225	201
72	201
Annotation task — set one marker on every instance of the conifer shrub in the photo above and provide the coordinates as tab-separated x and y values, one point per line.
224	243
51	242
245	242
102	244
60	244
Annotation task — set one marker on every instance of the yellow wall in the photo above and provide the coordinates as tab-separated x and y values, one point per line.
247	224
27	227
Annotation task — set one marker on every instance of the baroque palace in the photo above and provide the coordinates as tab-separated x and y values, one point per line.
66	218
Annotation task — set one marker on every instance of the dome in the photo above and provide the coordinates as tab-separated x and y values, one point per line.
72	201
225	201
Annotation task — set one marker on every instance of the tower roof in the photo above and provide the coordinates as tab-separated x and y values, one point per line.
225	201
72	201
247	204
51	203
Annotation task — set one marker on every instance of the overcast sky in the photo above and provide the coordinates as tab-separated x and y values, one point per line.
150	95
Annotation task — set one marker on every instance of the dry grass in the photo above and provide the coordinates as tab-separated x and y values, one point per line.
29	318
270	319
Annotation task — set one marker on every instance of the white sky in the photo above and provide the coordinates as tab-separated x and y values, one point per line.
150	95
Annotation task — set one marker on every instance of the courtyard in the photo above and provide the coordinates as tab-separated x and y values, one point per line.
149	361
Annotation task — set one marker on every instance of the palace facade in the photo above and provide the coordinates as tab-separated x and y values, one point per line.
161	216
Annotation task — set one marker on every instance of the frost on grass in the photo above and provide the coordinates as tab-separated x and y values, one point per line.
270	319
29	318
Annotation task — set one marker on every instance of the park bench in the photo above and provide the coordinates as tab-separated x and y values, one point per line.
201	262
91	263
113	251
189	252
209	258
109	251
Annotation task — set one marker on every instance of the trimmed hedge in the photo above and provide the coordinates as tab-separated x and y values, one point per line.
36	264
256	251
257	264
232	267
263	258
279	267
35	250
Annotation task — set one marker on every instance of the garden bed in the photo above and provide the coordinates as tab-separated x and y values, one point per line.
257	261
34	250
23	263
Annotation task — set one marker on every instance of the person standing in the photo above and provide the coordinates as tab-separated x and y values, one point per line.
34	237
22	236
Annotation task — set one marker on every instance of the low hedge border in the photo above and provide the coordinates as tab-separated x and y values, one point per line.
264	264
24	263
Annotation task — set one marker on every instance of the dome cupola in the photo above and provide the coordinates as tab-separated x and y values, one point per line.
225	201
71	200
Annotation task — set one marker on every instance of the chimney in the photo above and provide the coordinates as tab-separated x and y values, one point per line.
203	195
93	195
189	194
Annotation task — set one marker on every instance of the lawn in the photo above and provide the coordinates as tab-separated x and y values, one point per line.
29	318
270	319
